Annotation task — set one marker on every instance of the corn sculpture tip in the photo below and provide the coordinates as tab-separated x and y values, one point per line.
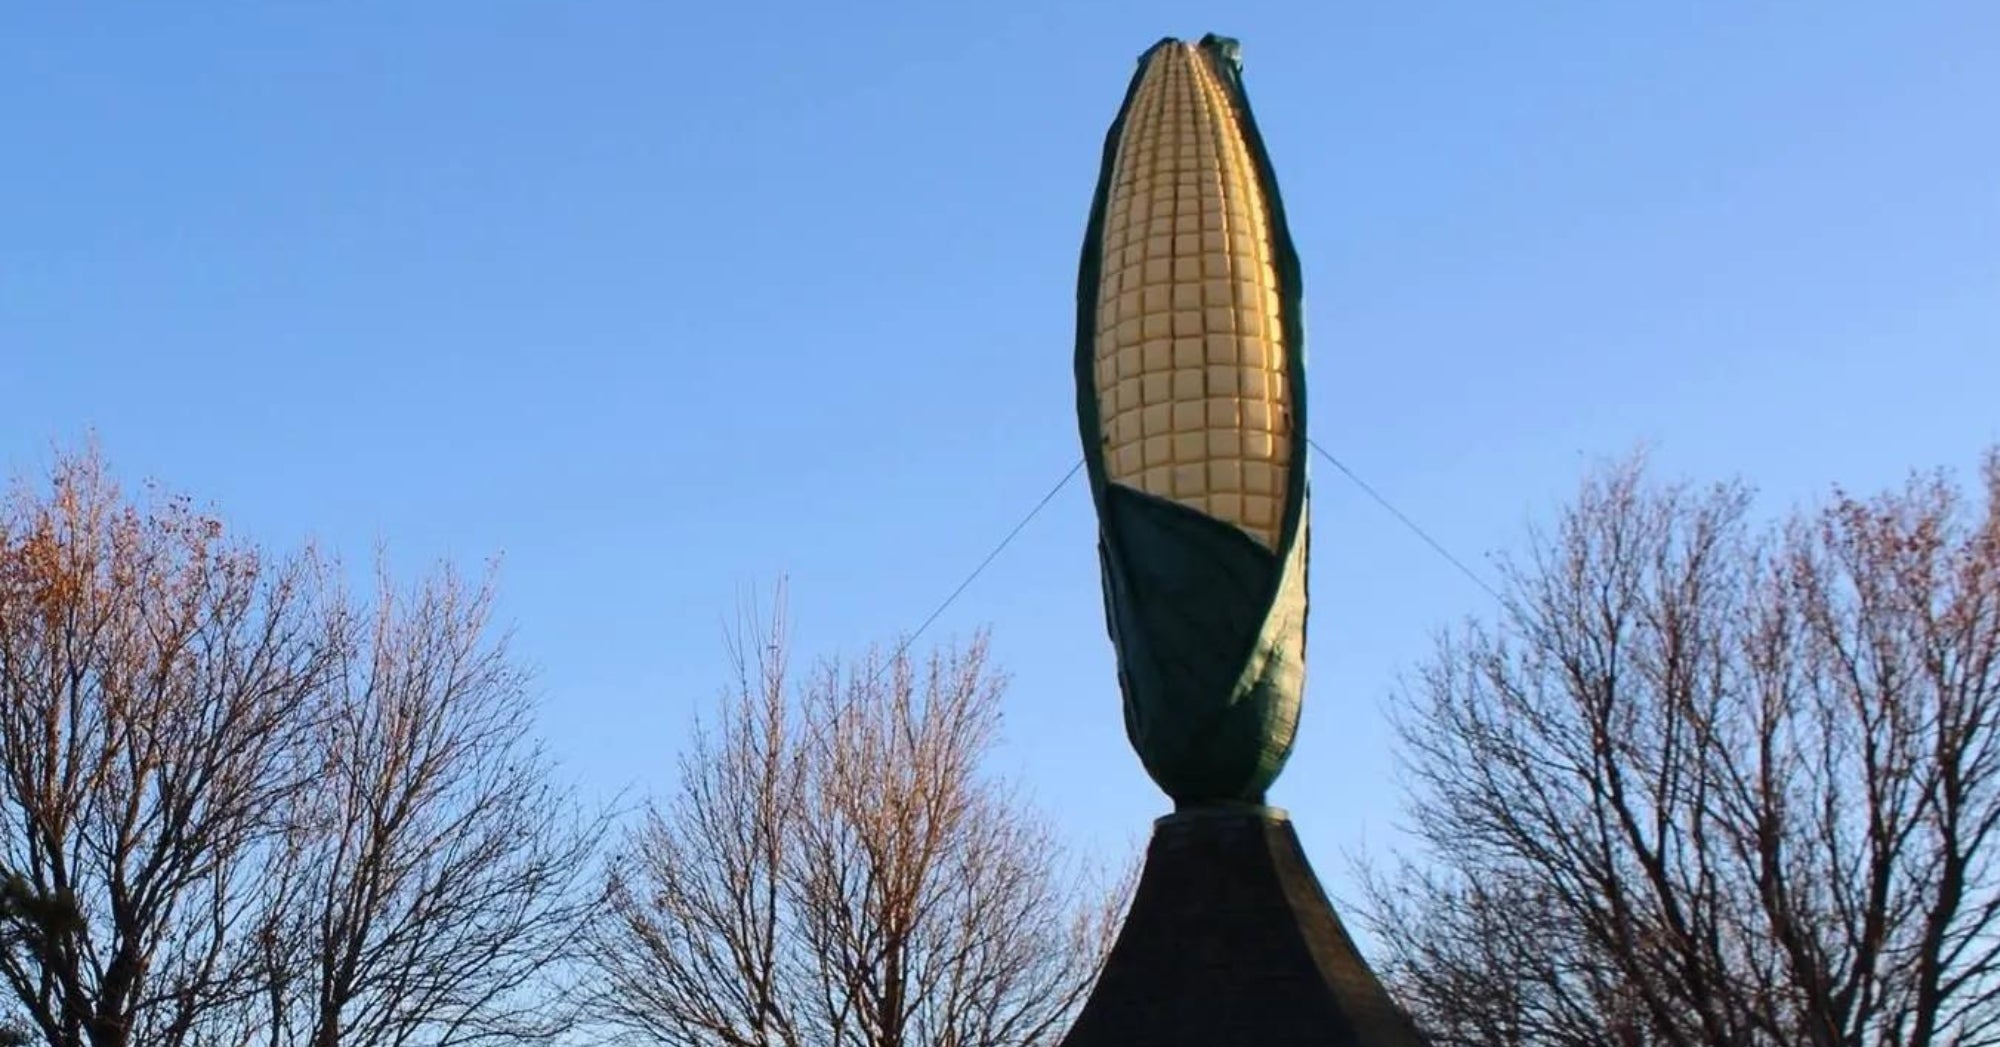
1191	400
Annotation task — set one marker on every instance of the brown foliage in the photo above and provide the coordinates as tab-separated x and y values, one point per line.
1707	783
836	870
233	807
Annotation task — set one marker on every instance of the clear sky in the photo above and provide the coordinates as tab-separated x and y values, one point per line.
662	301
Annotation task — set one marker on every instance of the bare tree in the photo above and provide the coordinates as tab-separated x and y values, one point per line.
433	881
156	683
1710	783
235	808
836	869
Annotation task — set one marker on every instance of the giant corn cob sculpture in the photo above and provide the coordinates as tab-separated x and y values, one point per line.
1191	398
1190	390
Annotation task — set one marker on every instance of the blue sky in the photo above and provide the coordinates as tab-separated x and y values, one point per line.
660	302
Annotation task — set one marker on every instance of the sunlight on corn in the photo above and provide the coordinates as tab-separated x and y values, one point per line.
1190	365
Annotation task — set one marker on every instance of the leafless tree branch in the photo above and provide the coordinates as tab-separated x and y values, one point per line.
1707	783
836	869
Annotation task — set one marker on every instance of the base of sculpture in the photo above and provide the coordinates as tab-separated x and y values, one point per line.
1231	941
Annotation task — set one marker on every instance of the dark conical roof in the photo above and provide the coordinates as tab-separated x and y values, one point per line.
1231	941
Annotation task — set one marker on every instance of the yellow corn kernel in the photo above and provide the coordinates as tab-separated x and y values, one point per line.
1191	383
